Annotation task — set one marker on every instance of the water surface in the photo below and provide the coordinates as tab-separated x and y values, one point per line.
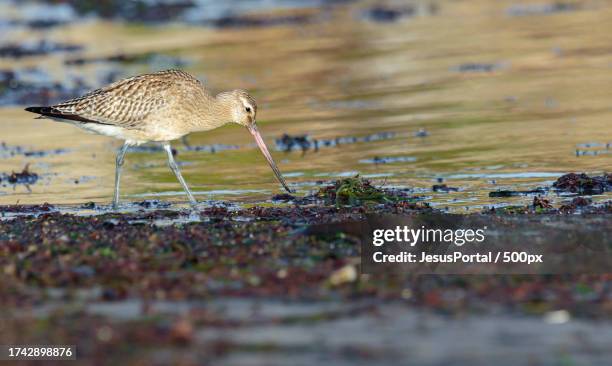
481	95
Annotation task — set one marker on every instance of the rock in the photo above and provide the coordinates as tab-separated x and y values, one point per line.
444	188
343	275
283	197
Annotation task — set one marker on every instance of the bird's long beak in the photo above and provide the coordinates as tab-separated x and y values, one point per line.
264	150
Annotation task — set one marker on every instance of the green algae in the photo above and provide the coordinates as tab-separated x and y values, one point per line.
355	191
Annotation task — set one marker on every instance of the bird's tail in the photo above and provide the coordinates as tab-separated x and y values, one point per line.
42	111
56	113
39	110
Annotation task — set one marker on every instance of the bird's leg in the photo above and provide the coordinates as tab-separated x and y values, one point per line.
177	172
119	164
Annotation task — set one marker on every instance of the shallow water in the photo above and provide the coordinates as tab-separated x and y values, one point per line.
496	96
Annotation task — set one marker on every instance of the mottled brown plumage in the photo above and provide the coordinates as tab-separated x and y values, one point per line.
157	107
161	106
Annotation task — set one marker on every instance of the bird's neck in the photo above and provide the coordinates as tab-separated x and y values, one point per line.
212	112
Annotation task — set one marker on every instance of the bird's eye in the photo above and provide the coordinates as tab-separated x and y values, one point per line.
248	109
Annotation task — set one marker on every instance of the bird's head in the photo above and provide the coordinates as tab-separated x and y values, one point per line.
243	109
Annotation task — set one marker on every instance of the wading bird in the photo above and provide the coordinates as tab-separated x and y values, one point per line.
158	107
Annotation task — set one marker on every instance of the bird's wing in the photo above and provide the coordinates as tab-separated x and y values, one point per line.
125	103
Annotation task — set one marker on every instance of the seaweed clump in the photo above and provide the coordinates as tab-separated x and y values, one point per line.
583	184
541	204
356	191
576	203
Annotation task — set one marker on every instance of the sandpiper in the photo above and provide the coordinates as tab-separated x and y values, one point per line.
158	107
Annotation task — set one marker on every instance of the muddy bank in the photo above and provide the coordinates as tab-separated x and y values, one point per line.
221	284
257	251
